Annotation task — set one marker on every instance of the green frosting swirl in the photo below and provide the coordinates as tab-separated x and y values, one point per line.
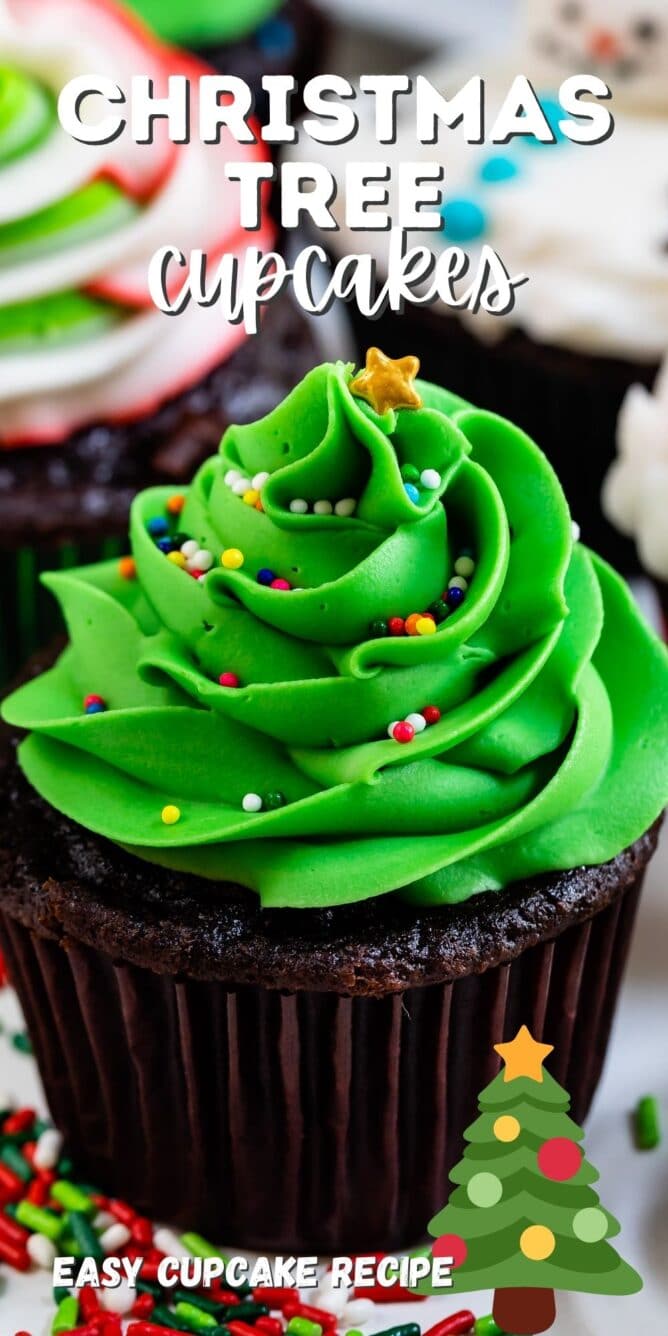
202	21
552	746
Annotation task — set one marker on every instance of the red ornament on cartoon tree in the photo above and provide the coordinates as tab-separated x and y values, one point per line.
503	1227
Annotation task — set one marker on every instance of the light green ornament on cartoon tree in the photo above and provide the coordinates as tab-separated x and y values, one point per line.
523	1217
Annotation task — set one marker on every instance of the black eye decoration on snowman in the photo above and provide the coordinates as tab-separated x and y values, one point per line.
570	11
646	30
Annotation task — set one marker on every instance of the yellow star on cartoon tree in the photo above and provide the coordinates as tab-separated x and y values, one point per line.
387	382
524	1056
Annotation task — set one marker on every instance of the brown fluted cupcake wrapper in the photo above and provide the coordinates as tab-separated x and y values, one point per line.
308	1121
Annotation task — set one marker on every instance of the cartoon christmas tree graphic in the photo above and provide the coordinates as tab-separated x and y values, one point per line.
523	1217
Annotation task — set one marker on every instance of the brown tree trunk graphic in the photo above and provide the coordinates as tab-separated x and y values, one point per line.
524	1312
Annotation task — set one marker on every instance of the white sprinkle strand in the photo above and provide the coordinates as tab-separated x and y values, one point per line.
430	479
346	507
167	1242
103	1220
331	1300
251	802
358	1311
48	1148
114	1238
118	1300
41	1251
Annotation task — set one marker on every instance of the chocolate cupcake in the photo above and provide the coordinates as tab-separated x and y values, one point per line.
329	792
248	39
100	393
593	317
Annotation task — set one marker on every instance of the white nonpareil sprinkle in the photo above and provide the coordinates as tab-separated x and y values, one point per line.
251	802
203	559
189	548
391	727
418	722
299	506
259	480
115	1237
346	507
458	582
323	508
465	566
430	479
48	1148
240	486
575	530
232	476
41	1251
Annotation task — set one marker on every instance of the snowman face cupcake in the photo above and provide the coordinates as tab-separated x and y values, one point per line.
623	41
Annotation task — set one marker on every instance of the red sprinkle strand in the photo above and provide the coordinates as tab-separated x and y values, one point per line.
459	1324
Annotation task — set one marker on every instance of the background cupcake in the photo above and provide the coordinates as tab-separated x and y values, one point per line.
100	393
249	38
593	317
346	779
635	492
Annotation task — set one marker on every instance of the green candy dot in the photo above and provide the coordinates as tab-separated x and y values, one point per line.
273	801
410	473
590	1225
484	1190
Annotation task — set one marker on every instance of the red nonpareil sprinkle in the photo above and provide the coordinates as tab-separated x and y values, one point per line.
143	1306
403	731
11	1187
14	1255
431	713
396	626
19	1121
319	1315
228	680
275	1296
456	1325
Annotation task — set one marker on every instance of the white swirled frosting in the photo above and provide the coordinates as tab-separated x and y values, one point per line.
635	492
80	340
588	224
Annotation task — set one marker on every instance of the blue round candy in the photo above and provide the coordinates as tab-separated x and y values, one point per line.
498	168
95	707
157	526
276	39
465	220
265	576
411	492
553	114
165	545
454	597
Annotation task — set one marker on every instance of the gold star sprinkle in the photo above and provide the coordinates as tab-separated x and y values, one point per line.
524	1056
387	382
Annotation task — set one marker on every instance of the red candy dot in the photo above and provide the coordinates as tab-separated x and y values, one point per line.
228	680
196	574
396	626
431	713
451	1245
559	1159
92	700
281	584
403	731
